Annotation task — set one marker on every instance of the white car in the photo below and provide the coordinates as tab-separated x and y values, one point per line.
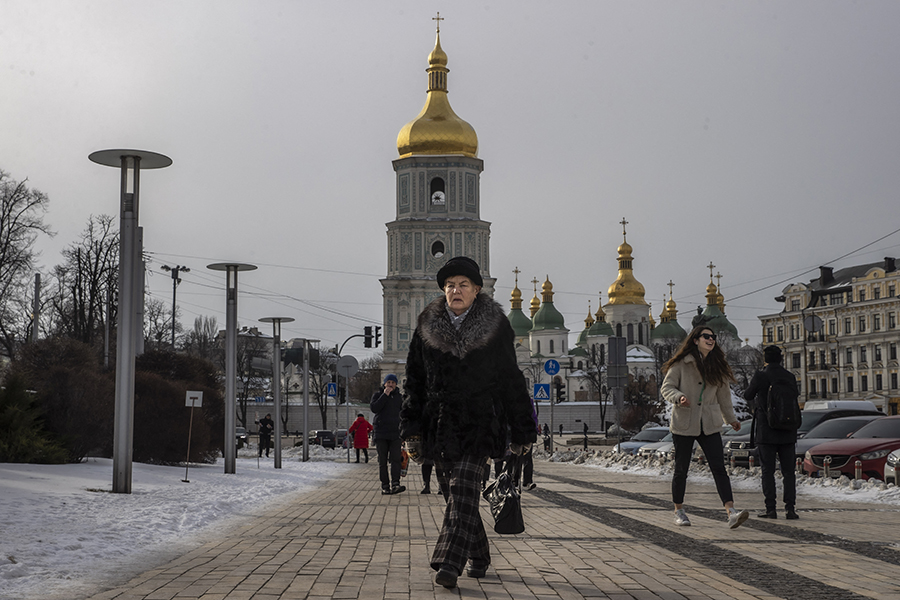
891	467
648	450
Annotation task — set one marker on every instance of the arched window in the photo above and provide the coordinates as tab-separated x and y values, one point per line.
551	348
630	334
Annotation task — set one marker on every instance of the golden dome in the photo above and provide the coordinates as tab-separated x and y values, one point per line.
516	298
535	302
437	130
590	318
626	289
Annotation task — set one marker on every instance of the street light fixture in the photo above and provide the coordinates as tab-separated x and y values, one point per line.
276	378
231	278
175	281
130	163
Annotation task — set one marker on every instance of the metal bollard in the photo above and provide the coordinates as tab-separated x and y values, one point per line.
800	466
827	464
732	462
857	471
750	462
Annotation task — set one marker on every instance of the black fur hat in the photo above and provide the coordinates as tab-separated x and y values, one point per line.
460	265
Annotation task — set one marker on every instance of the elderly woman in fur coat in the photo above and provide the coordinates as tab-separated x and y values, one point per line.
465	400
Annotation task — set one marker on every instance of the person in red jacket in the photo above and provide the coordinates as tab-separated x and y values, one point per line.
360	431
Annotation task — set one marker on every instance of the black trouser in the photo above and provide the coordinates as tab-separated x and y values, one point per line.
389	450
527	469
365	451
715	459
265	442
785	454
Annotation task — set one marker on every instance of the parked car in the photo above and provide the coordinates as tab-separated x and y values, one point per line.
831	429
646	436
340	436
241	437
736	444
870	444
322	437
891	466
812	417
648	450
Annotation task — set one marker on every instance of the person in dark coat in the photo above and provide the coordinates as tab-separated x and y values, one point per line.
360	431
773	442
266	427
464	395
386	406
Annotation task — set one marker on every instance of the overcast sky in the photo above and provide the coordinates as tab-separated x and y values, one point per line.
760	136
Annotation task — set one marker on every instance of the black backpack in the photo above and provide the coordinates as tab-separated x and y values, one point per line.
782	408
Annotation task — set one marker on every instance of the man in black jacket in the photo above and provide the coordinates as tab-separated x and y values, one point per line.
266	427
464	395
386	406
773	442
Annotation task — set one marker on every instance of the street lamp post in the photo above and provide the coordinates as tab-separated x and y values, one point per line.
130	163
231	279
276	379
175	281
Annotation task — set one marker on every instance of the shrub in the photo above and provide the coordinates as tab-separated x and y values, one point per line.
22	435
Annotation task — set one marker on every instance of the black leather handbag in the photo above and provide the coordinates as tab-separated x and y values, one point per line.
505	500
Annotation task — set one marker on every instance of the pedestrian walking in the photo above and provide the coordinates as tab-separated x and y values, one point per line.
360	431
696	384
386	406
464	395
265	428
772	442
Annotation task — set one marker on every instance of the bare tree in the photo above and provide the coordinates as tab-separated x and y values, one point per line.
251	382
158	324
89	271
367	380
201	340
21	222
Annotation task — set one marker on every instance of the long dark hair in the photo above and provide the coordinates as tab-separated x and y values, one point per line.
714	368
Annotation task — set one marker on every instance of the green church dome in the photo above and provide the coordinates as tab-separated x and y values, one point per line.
547	317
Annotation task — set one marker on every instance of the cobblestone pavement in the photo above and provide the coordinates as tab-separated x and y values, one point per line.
590	534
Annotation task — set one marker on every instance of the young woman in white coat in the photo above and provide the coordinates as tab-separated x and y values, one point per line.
696	383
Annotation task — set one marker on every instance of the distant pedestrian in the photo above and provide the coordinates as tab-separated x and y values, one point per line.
386	406
265	429
464	392
696	383
360	431
560	430
585	437
546	430
771	442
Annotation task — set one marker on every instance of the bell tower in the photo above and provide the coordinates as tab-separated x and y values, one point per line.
437	211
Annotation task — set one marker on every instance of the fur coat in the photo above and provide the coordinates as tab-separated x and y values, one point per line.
464	392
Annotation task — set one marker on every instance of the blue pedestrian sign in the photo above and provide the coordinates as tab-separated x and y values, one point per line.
551	367
542	391
332	390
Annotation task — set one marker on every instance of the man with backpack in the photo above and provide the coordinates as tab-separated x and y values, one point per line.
772	396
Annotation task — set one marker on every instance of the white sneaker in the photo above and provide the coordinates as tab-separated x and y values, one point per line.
735	517
681	518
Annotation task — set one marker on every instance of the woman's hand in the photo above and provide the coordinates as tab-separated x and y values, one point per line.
683	401
736	425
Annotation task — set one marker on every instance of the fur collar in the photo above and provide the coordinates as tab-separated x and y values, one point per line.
479	327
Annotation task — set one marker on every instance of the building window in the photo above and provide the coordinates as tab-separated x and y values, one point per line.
836	299
877	352
812	360
862	354
822	359
847	326
849	356
878	381
832	327
795	305
780	333
892	320
551	348
862	325
769	336
823	388
876	322
795	360
539	346
834	385
833	356
892	351
893	381
864	383
862	295
812	387
794	333
849	384
892	290
876	292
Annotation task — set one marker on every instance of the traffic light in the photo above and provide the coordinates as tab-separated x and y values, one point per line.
560	391
377	335
367	331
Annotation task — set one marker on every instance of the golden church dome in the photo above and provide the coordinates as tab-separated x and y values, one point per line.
437	130
626	289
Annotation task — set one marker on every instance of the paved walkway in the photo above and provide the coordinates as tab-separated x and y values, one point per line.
591	534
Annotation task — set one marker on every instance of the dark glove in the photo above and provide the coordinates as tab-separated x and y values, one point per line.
520	449
414	449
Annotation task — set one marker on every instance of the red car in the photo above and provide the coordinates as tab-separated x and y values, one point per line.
870	445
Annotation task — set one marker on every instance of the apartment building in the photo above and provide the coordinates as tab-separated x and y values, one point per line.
839	334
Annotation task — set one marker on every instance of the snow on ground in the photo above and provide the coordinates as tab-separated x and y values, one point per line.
63	535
